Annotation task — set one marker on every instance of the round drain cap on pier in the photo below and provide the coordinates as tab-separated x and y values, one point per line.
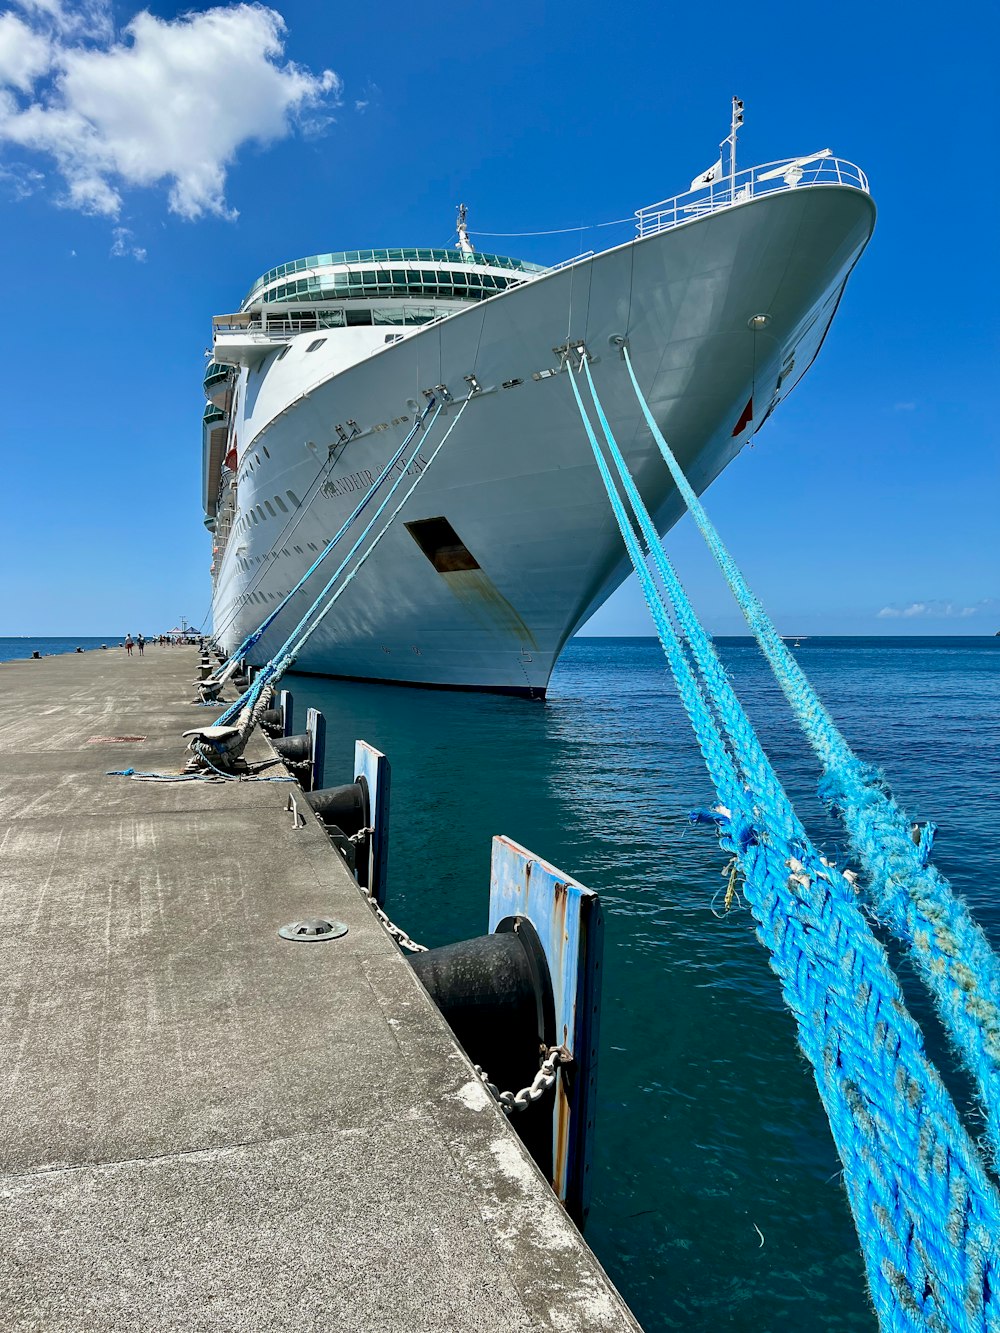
313	928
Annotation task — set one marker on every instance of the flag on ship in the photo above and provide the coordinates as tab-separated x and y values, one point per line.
709	177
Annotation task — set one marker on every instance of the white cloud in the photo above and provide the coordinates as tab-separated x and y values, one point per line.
938	610
370	97
21	182
86	19
124	247
170	103
24	53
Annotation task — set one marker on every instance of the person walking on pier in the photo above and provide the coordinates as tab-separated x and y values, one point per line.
128	644
140	643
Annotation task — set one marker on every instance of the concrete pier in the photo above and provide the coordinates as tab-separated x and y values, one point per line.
203	1126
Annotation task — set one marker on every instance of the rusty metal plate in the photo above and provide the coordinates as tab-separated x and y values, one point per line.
567	918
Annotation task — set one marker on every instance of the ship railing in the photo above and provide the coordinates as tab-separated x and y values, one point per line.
790	173
245	324
277	328
568	263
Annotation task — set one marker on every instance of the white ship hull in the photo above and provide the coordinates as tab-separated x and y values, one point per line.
516	480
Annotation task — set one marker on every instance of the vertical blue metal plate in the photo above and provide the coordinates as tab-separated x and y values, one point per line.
567	918
316	727
372	765
287	707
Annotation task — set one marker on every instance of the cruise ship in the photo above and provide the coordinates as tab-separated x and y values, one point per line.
723	298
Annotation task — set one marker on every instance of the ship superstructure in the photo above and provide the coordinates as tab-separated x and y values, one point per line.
723	299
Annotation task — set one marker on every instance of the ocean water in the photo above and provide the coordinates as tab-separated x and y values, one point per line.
10	649
717	1199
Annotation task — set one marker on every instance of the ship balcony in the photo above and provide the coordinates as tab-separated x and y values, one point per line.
242	340
214	431
717	192
218	383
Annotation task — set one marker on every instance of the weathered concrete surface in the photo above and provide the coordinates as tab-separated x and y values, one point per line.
203	1126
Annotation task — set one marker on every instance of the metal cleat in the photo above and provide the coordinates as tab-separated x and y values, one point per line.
225	741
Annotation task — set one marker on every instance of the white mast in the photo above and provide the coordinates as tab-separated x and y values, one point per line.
464	244
734	124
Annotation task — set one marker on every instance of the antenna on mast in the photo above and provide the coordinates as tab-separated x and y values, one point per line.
461	226
734	125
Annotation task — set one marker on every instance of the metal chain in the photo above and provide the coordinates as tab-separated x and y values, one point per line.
545	1079
548	1070
397	932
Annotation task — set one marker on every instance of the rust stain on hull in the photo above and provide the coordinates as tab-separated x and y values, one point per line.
481	597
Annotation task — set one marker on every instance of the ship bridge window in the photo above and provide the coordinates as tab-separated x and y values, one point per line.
317	342
442	545
355	317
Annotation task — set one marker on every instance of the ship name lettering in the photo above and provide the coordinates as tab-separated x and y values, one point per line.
354	483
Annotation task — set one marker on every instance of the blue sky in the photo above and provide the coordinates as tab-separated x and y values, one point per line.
869	503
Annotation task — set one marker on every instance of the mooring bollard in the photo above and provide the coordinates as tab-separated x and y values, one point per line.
530	988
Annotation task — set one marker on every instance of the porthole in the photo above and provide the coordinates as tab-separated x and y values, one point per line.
294	498
281	504
317	342
270	508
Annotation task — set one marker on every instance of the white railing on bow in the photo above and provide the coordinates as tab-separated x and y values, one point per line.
789	174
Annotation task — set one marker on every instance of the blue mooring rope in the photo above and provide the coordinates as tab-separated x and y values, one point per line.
926	1213
269	673
911	898
324	602
255	635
